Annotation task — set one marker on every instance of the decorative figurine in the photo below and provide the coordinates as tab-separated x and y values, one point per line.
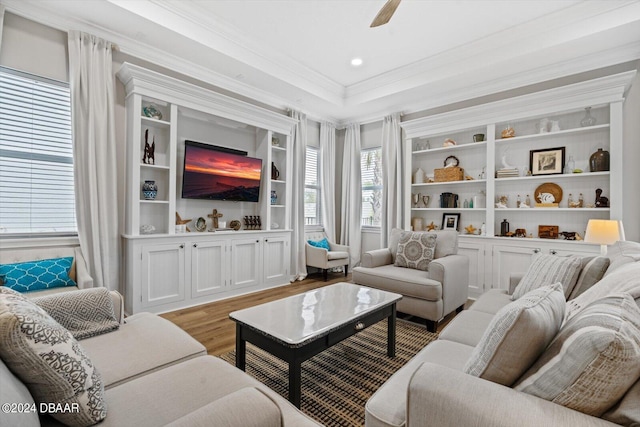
470	229
149	150
601	201
215	215
431	226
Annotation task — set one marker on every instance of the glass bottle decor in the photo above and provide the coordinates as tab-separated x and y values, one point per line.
528	201
581	201
274	197
570	200
599	161
518	201
588	119
571	165
504	227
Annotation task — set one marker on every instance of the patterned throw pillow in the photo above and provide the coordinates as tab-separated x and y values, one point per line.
517	336
49	361
37	275
324	243
548	269
594	359
416	250
590	275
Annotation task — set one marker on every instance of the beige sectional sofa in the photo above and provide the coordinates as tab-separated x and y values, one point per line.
432	389
155	374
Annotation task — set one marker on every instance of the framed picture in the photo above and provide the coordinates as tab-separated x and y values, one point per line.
548	161
450	221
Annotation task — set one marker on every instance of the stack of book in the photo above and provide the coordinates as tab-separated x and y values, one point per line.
507	173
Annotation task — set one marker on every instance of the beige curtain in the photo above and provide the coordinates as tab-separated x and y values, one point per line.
94	156
328	178
351	228
299	140
392	200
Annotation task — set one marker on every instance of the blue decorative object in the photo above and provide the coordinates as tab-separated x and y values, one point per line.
152	112
149	190
324	243
37	275
274	197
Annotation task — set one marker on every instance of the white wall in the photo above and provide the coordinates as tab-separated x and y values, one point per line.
631	161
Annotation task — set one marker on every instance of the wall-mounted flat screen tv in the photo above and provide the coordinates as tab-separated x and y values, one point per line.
216	173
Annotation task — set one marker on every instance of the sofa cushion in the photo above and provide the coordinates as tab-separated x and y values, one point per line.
625	279
590	274
145	343
394	238
415	250
13	391
467	327
627	411
491	301
621	253
405	281
388	405
231	411
171	393
322	243
331	255
84	313
594	359
49	361
447	242
37	275
549	269
517	335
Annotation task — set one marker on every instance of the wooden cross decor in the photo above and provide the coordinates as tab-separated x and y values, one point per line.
215	215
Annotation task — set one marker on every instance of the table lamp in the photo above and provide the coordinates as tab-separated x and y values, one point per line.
605	232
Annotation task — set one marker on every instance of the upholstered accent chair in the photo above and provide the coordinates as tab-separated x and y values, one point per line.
429	292
324	259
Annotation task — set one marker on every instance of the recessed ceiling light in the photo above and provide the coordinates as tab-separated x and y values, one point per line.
356	62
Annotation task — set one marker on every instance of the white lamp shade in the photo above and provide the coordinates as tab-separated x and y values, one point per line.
604	231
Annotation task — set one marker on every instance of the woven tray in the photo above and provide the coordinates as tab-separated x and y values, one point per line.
454	173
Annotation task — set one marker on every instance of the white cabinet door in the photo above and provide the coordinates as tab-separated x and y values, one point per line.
163	274
246	262
276	259
209	263
478	268
510	259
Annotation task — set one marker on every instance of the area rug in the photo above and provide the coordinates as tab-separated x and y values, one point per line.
337	383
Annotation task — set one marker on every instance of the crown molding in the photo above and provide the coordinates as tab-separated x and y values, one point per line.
575	96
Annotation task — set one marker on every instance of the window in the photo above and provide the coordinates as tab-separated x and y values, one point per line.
36	157
371	170
312	214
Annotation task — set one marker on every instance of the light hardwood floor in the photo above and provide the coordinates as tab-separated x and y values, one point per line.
210	323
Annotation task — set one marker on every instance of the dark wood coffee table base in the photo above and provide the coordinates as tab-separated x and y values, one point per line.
295	355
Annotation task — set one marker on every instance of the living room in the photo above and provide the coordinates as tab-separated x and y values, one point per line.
178	95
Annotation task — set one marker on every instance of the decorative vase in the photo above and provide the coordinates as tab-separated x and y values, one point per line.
588	119
504	227
274	197
149	190
599	161
418	177
152	112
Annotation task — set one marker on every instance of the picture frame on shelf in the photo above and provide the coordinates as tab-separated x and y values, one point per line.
547	161
450	221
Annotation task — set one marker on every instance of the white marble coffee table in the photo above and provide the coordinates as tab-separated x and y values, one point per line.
297	328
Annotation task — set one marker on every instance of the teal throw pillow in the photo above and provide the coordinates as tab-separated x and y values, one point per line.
324	243
37	275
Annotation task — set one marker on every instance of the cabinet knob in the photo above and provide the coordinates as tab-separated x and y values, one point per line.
536	250
181	246
553	252
257	241
195	245
266	240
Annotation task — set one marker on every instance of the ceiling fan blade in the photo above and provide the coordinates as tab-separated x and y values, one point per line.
385	13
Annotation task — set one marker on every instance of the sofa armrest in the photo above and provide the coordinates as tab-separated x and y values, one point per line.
247	407
83	278
442	396
118	305
514	279
316	257
453	272
376	258
341	248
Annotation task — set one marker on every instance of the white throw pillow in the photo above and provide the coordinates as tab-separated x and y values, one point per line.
517	335
594	359
548	269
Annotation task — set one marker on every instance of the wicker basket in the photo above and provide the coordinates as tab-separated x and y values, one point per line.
454	173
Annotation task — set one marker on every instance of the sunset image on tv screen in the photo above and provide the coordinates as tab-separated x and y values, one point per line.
210	174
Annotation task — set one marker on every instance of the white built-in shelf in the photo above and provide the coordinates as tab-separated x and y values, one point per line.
156	202
459	147
155	122
545	135
278	148
278	181
277	206
530	210
463	182
450	209
554	177
160	167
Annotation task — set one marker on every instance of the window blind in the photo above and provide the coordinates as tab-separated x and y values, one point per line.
311	188
371	176
36	157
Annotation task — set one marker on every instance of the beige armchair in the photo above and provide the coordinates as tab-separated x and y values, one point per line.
324	259
431	294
